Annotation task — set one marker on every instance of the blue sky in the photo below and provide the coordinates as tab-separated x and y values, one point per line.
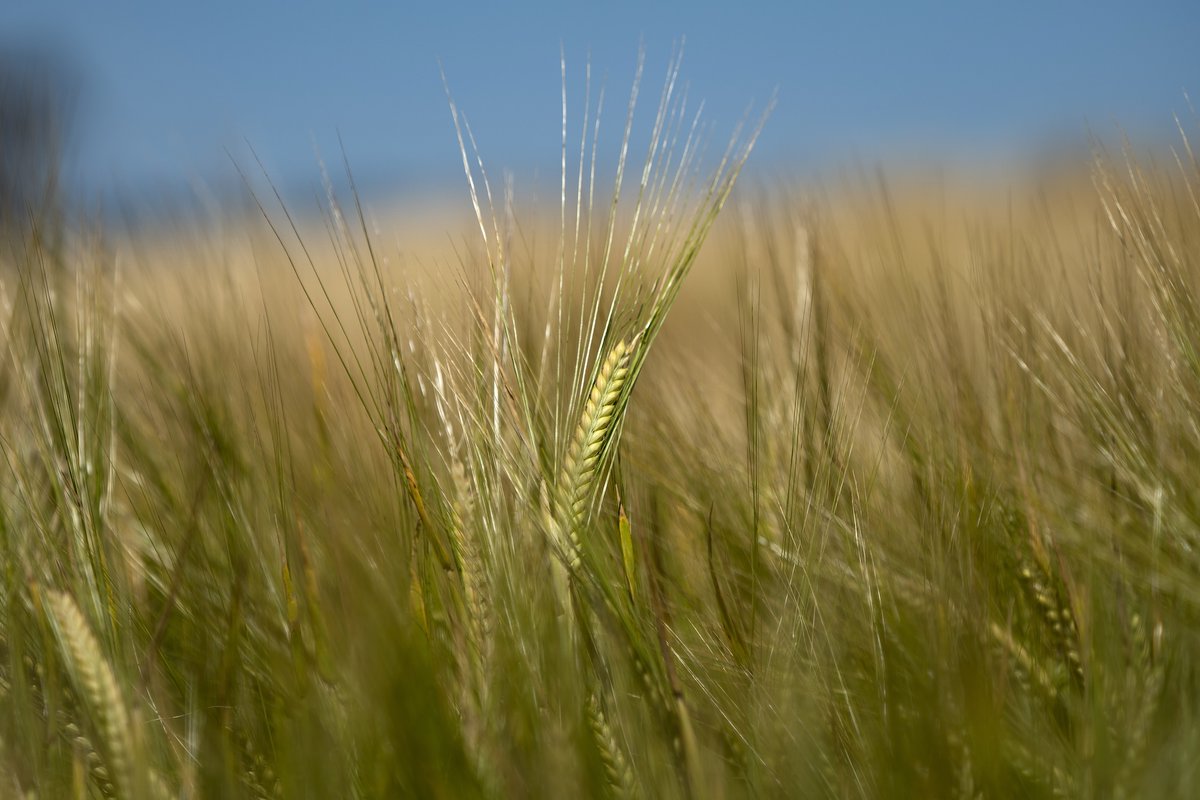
169	87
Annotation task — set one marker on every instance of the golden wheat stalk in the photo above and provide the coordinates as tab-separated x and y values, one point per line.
96	683
592	437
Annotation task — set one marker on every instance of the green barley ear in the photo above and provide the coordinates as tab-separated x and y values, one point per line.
95	682
471	572
585	457
616	766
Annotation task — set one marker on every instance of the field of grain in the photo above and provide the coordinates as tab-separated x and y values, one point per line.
675	489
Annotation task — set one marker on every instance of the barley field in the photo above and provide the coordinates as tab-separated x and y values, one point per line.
671	487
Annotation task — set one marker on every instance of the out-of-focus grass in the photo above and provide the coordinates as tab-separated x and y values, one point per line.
902	501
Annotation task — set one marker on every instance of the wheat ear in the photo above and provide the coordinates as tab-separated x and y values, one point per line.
591	440
95	682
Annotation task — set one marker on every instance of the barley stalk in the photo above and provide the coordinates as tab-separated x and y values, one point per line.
470	567
588	448
94	680
616	766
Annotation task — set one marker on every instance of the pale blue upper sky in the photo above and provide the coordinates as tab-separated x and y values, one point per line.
169	86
